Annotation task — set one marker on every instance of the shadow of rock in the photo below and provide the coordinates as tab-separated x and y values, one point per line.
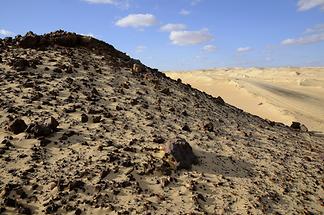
213	163
317	133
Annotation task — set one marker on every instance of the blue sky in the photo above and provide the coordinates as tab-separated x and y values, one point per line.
185	34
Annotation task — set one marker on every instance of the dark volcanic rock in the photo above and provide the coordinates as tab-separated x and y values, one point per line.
84	118
182	152
39	130
43	129
186	128
209	127
219	100
30	40
19	64
158	140
17	126
166	91
298	126
96	119
78	184
24	210
10	202
52	123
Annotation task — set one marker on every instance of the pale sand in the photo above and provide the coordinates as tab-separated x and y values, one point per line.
279	94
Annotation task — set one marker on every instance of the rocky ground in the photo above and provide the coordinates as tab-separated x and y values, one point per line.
84	131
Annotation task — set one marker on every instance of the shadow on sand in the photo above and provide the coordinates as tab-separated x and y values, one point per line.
213	163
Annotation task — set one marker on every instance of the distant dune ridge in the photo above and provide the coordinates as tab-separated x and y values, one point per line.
279	94
85	129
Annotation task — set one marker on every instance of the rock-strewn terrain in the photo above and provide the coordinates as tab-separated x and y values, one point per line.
82	132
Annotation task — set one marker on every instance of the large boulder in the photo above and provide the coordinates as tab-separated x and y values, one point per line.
181	152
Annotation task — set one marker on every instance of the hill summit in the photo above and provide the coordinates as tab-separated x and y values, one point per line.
85	129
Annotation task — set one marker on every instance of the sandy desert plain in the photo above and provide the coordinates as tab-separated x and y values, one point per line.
281	94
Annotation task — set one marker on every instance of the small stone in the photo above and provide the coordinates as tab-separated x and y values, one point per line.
84	118
9	202
78	211
159	140
7	143
24	210
44	142
76	185
2	210
17	126
96	119
209	127
138	68
166	91
186	128
52	123
219	100
19	64
52	185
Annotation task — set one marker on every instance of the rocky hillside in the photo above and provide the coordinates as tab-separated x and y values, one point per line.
85	129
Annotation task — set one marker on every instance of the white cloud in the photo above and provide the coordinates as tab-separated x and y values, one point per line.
173	27
190	37
6	33
209	48
316	29
140	48
184	12
314	38
304	5
137	21
244	49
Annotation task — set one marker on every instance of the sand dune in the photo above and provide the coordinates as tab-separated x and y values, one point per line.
279	94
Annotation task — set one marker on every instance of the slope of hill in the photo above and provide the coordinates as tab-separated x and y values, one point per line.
83	131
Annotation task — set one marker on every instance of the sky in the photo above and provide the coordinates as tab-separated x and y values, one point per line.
184	34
